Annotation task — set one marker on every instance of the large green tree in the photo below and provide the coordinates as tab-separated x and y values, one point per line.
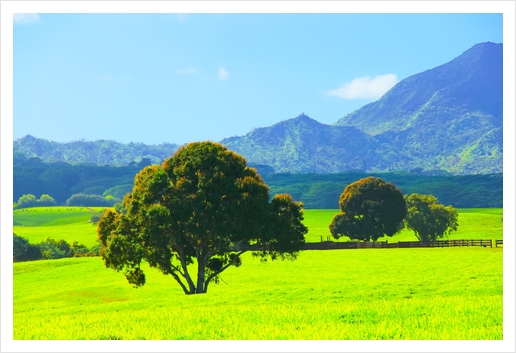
371	208
203	207
429	219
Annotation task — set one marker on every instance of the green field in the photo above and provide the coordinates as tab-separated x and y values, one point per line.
362	294
71	224
67	223
348	294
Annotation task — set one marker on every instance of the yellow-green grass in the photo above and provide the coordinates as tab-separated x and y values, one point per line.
474	223
67	223
363	294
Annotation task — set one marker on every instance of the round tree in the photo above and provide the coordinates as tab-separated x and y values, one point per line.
371	208
429	219
202	208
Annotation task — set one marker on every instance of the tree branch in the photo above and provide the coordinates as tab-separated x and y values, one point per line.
210	277
178	280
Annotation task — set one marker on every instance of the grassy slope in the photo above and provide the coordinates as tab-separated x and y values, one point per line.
68	223
346	294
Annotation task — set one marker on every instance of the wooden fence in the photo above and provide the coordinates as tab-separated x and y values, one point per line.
445	243
328	245
331	245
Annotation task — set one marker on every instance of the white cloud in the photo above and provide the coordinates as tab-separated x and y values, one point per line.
365	87
26	18
223	74
189	70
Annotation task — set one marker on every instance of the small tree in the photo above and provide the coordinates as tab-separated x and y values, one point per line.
26	201
51	249
429	219
371	208
23	250
202	207
46	200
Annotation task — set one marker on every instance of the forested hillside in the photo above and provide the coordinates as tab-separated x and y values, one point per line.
99	152
62	180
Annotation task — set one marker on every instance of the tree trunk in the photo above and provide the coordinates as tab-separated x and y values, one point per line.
201	264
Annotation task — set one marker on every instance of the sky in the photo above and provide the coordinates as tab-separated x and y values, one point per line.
177	78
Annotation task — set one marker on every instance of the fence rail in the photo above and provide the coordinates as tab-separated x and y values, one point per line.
445	243
327	245
331	245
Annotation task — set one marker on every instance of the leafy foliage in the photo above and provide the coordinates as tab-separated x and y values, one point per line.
49	249
371	208
23	251
429	219
26	201
29	200
46	200
202	204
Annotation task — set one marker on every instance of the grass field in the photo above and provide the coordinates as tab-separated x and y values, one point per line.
67	223
71	224
348	294
366	294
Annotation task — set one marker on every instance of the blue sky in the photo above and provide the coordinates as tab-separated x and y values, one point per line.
177	78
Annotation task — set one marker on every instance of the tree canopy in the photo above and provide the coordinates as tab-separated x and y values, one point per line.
371	208
429	219
202	207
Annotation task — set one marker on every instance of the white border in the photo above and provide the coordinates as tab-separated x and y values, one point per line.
10	7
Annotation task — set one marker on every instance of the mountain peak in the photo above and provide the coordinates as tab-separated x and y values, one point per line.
303	118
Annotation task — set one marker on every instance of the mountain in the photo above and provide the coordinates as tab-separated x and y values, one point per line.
448	118
303	145
97	152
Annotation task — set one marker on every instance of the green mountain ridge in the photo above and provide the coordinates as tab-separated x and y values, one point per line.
303	145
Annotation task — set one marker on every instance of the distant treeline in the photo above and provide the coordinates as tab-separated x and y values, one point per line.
62	180
322	191
49	249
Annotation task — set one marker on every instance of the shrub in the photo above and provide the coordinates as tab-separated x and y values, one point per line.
26	201
24	251
50	249
46	200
